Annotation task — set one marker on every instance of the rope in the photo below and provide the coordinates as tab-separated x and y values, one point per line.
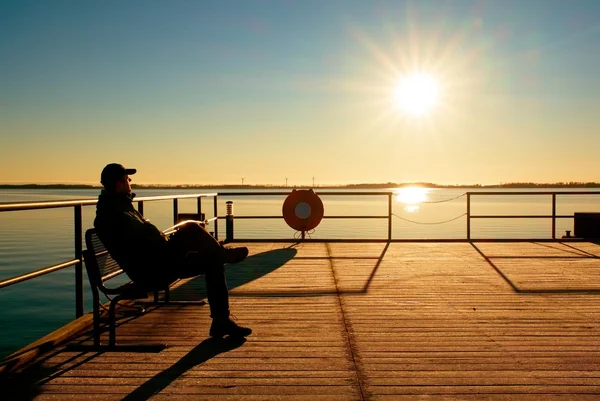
298	234
438	222
445	200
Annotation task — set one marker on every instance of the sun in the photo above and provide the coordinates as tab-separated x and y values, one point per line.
417	94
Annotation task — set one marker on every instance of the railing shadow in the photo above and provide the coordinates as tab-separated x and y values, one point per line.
581	250
379	260
318	293
520	290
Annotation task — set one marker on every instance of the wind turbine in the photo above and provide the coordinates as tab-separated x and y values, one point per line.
243	178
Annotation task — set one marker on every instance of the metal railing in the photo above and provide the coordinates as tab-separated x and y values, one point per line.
552	216
77	261
388	194
77	206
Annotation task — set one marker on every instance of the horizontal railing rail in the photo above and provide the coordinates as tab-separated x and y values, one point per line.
509	193
325	217
15	206
552	216
286	193
77	206
38	273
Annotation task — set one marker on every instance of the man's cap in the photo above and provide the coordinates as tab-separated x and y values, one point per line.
113	172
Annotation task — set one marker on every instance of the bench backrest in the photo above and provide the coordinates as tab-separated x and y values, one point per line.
99	264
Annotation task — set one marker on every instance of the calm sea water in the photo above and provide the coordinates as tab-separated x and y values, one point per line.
30	240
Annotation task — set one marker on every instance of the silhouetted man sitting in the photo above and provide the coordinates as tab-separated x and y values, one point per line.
154	260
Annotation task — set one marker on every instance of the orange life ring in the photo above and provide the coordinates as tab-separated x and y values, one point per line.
302	210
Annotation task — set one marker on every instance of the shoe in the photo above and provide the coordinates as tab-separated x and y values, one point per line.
223	327
234	255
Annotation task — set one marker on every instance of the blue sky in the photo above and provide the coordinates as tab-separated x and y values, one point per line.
207	92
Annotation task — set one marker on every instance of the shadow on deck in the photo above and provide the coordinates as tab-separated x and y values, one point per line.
361	322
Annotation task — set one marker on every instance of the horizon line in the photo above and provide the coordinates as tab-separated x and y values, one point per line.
275	186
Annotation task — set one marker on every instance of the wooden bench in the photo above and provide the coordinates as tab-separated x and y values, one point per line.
101	268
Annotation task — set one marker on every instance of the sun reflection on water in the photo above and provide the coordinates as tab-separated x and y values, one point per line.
412	197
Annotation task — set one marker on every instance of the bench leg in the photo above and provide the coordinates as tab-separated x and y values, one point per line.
112	336
96	319
166	298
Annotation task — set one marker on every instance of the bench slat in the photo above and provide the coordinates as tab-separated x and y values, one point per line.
107	266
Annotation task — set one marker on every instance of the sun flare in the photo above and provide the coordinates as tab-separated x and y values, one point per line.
417	94
412	195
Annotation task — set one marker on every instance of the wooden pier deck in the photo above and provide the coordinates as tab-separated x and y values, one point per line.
361	321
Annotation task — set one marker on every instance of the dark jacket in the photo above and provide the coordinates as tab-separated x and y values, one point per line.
137	245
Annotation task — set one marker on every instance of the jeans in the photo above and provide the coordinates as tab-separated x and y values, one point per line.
196	252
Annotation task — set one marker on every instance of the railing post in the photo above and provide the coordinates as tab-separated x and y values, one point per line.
199	205
79	266
141	207
175	210
553	216
229	222
468	216
389	217
215	204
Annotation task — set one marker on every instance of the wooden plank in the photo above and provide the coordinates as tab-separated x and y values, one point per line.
200	397
369	321
183	386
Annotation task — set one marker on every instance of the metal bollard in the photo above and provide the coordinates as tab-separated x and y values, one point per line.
229	222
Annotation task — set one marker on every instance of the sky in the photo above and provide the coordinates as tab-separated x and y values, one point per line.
213	91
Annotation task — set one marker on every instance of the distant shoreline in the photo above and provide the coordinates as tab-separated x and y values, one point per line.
348	186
